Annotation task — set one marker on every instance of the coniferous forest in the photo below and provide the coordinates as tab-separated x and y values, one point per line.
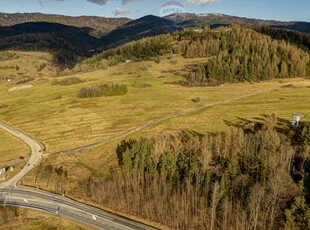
254	176
244	55
236	54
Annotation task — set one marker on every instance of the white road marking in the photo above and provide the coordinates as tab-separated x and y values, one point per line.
94	217
26	200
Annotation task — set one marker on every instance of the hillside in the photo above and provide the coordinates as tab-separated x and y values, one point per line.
80	42
47	36
100	25
55	115
238	55
143	27
21	66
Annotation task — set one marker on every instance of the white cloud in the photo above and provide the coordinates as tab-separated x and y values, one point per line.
200	2
118	11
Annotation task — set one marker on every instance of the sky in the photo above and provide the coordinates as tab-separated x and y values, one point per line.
282	10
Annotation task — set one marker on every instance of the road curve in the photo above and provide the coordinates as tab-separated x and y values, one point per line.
13	195
36	152
62	206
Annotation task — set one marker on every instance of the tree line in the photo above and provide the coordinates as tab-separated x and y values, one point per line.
236	54
102	90
187	180
302	40
144	48
244	55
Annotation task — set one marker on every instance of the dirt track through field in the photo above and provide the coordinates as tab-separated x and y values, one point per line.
162	119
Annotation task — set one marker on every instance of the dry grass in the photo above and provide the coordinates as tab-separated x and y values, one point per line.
28	65
70	122
11	148
34	220
9	174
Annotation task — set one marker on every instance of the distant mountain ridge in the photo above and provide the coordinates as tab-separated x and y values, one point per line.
146	26
48	36
100	25
200	20
80	42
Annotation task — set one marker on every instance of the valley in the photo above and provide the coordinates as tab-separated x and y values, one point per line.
154	124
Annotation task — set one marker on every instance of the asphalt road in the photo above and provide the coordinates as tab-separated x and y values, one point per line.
13	195
36	152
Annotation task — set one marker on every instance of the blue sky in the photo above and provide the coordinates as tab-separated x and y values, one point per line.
284	10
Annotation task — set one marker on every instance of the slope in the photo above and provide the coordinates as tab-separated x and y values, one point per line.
99	25
143	27
48	36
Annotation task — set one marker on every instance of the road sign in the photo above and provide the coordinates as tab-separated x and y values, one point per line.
2	171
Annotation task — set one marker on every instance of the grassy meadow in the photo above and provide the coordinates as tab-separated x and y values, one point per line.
54	115
11	148
26	219
22	65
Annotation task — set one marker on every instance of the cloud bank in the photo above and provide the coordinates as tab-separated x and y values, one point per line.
119	11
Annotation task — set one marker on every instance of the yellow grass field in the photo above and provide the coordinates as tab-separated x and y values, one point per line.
34	220
11	148
69	121
26	64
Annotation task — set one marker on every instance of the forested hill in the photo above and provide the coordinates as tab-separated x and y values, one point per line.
238	55
103	25
143	27
48	36
244	55
100	25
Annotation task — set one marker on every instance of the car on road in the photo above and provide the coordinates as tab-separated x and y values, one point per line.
21	158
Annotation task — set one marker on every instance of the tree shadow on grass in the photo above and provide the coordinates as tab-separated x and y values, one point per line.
265	121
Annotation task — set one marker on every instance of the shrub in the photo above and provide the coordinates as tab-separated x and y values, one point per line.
196	100
68	81
41	67
102	90
288	86
157	60
143	85
117	73
57	97
170	71
144	68
4	106
177	73
24	81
